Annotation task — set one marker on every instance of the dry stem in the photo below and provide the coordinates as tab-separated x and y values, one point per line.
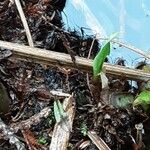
24	22
59	59
128	46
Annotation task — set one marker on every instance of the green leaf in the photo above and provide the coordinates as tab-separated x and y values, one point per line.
59	112
42	140
101	56
84	129
143	100
56	112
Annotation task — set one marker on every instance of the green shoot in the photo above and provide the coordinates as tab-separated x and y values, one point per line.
84	129
42	140
143	99
59	112
101	56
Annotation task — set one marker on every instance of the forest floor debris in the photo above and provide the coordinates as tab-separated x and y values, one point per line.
32	88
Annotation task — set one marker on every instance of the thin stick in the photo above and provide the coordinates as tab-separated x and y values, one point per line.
26	124
128	46
100	144
63	60
87	75
137	50
24	22
89	54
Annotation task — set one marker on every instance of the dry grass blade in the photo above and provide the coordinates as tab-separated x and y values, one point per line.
101	145
137	50
24	22
62	129
128	46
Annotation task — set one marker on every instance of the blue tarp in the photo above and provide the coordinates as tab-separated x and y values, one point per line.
129	17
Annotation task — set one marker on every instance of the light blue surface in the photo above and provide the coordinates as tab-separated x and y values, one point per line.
130	17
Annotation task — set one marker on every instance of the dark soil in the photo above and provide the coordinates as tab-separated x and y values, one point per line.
28	83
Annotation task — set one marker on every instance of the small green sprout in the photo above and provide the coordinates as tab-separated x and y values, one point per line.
59	112
101	56
42	140
84	129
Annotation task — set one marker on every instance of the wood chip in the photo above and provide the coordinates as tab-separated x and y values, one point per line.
101	145
62	129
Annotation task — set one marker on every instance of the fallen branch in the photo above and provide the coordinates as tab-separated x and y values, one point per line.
26	124
59	59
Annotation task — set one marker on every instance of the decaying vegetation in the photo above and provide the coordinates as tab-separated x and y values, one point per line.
49	99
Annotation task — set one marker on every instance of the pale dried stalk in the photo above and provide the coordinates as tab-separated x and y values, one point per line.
24	22
128	46
100	144
59	59
61	132
137	50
